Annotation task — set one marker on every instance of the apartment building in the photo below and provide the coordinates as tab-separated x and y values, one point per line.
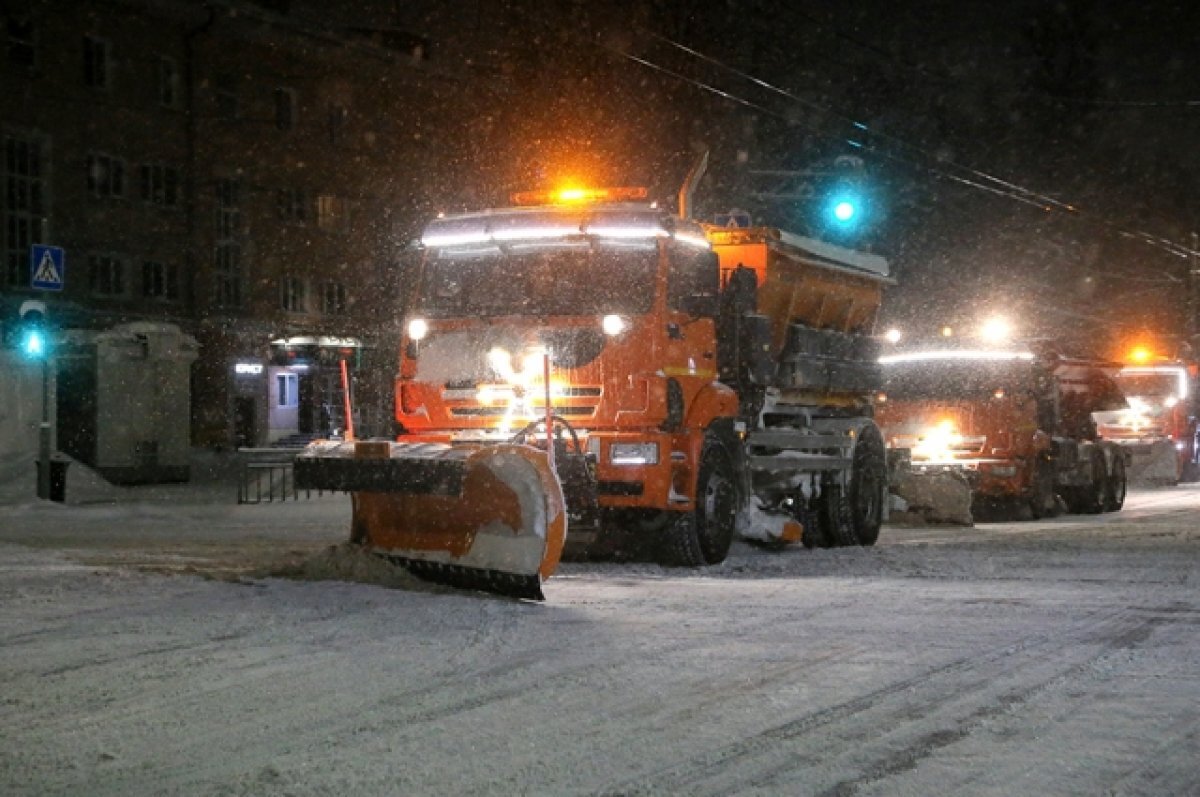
235	172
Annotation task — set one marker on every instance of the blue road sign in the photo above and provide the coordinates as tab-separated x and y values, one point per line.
47	267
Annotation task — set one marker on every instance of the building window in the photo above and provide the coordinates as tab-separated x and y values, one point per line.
160	184
286	392
227	98
106	275
333	298
23	200
105	175
22	43
160	281
95	63
333	213
291	204
227	260
168	83
294	294
285	109
338	114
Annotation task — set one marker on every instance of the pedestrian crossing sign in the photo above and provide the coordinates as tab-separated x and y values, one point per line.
47	267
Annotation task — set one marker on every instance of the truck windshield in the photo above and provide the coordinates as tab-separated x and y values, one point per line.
956	380
580	280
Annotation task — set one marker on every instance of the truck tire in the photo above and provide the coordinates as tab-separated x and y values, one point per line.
1041	495
868	484
836	518
703	535
1089	499
1115	485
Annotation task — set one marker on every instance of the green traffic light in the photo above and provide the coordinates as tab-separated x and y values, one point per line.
33	344
843	211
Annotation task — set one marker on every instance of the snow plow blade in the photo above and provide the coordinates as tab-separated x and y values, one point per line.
478	517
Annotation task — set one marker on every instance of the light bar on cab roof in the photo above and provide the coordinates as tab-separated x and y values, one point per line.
1179	371
951	355
533	233
575	196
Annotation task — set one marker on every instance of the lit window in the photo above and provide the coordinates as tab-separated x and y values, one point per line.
286	394
333	213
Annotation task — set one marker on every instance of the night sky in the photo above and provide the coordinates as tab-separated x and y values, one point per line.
1031	157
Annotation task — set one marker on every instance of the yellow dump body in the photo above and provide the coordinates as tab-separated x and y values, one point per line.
804	281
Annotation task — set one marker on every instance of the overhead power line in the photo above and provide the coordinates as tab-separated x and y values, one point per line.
974	178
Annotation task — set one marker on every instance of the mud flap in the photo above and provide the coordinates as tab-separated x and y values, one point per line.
486	517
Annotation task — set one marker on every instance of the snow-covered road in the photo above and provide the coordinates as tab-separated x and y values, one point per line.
141	652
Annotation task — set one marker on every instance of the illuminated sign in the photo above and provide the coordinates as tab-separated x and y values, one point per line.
247	369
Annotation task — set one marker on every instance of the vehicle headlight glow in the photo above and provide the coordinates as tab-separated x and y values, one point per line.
938	442
418	328
613	325
501	362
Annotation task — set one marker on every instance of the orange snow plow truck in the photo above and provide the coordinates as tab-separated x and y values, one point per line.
586	364
1019	425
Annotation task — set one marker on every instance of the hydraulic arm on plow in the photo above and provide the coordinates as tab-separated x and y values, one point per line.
588	361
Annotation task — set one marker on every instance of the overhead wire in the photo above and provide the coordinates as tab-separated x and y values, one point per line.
1007	188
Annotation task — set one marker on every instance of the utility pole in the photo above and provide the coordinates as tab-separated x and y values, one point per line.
44	436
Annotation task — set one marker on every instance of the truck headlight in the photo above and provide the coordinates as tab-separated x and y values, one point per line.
613	325
418	328
633	453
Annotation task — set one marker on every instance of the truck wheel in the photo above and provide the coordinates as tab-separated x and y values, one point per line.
703	535
868	481
836	518
1115	486
1089	499
1041	498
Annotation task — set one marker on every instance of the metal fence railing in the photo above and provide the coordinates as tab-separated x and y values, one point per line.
267	474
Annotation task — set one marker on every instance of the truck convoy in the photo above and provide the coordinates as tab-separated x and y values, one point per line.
584	362
1159	421
1016	423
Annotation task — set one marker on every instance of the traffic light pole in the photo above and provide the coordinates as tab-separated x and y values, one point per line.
44	441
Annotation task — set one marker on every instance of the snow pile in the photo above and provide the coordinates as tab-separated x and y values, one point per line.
932	497
349	562
213	479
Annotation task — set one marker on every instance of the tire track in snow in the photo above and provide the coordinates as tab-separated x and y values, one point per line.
760	758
